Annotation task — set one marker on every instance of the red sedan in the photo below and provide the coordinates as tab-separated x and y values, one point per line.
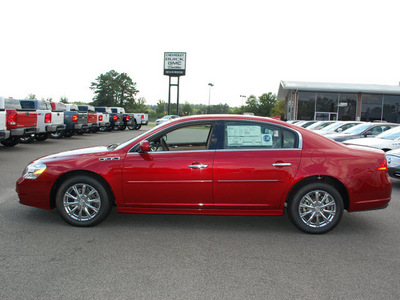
222	165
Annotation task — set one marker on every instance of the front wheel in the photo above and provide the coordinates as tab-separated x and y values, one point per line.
83	201
316	208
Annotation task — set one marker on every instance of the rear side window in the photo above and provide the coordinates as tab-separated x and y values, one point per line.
248	135
12	104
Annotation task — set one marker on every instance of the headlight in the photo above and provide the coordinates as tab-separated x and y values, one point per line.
393	161
33	171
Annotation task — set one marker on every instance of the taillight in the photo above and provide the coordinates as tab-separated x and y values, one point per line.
127	118
12	118
383	166
75	118
100	118
142	116
47	118
115	118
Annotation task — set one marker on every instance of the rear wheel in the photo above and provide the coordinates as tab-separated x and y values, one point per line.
10	142
83	201
316	208
41	137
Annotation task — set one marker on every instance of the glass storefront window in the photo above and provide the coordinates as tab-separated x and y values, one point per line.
371	107
347	107
306	106
391	108
327	102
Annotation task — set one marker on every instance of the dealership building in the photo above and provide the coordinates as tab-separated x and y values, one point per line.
340	101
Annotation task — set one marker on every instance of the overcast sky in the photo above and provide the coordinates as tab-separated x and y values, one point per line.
57	48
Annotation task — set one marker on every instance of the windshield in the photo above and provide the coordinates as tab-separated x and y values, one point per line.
357	129
332	127
390	134
139	136
166	117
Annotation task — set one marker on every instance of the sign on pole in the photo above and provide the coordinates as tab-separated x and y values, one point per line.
175	64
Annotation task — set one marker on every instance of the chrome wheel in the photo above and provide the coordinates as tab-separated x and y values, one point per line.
317	208
82	202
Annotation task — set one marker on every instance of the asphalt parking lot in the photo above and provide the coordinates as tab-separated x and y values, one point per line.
132	256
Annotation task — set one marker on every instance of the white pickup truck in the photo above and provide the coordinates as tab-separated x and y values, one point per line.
4	133
131	120
47	121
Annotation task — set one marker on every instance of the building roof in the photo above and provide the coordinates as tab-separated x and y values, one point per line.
286	86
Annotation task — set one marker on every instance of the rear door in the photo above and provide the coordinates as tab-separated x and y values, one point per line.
255	166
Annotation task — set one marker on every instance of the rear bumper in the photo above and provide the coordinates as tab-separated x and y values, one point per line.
4	134
144	122
24	131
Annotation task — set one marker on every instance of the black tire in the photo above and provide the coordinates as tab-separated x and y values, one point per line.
90	206
138	126
68	133
41	137
10	142
316	208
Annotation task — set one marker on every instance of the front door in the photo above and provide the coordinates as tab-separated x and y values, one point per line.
175	173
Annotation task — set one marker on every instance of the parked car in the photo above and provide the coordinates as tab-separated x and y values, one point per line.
388	140
45	123
361	131
103	118
320	125
138	119
337	127
393	161
305	124
93	126
71	120
82	119
20	123
166	118
4	133
222	165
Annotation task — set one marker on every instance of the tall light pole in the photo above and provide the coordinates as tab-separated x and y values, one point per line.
209	95
242	96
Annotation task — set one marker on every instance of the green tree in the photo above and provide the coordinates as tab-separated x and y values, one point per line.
278	109
161	108
261	106
64	100
114	89
31	97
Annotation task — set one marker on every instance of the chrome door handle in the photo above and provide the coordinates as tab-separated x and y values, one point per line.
282	164
198	166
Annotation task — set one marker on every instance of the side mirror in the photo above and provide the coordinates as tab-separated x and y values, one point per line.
144	146
369	132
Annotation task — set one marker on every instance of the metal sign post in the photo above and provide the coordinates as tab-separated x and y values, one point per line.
174	66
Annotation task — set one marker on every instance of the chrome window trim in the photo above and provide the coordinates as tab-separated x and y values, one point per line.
188	123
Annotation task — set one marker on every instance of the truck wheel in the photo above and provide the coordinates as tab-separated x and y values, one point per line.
133	126
316	208
83	201
41	137
138	126
10	142
68	133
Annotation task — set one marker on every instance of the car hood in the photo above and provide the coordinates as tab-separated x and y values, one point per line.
371	142
75	153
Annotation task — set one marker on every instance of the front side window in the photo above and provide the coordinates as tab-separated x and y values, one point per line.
244	135
188	138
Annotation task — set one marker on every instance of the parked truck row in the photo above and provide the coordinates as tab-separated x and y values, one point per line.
28	120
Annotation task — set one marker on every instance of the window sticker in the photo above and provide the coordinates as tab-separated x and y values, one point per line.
247	136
